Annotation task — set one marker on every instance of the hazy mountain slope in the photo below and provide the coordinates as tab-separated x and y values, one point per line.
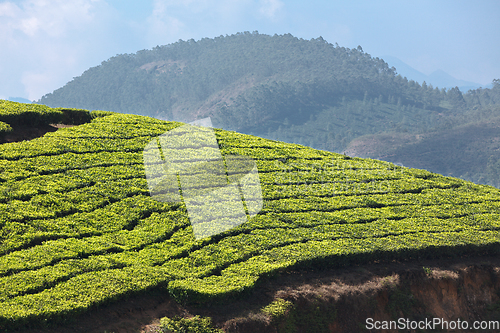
19	100
280	87
80	226
437	78
265	78
470	151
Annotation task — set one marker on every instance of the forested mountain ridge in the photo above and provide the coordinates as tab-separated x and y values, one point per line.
182	76
304	91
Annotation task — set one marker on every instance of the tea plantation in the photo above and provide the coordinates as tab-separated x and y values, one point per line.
79	228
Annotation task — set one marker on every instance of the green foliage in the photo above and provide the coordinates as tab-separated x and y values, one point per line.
79	229
101	113
18	114
316	316
4	128
195	324
74	116
401	303
15	113
278	308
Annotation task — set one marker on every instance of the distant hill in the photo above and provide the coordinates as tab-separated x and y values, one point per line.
469	152
247	82
19	100
280	87
438	78
445	80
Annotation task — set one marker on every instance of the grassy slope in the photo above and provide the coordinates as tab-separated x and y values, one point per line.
79	228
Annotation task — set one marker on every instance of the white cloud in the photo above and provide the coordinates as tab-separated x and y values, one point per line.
45	43
172	19
51	18
162	23
270	8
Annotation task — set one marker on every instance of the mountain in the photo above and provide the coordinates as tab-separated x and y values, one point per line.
406	70
19	100
247	81
283	88
438	78
445	80
254	83
469	151
88	218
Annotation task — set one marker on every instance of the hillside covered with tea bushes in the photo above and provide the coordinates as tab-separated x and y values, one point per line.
79	228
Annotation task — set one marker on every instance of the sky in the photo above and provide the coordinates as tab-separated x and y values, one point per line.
46	43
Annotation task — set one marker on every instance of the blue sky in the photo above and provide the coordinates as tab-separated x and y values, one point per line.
44	44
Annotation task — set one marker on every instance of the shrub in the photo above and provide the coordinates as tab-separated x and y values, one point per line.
195	324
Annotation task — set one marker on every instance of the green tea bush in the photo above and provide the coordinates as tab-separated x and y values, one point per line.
101	113
4	129
195	324
19	114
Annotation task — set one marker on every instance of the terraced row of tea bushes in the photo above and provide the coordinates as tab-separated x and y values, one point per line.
195	324
243	276
19	235
57	145
427	197
43	170
51	261
17	114
78	294
378	227
78	227
304	188
72	219
367	214
44	196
